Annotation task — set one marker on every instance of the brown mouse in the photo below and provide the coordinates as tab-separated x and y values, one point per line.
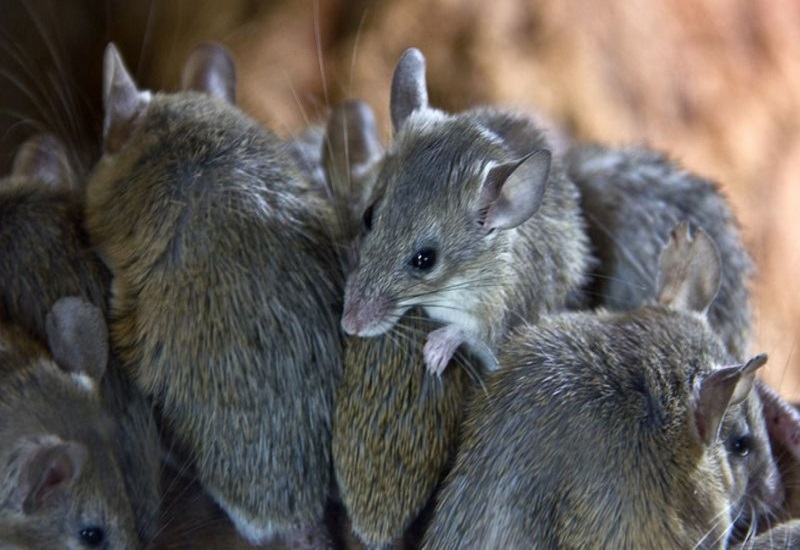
631	197
47	255
394	426
60	482
225	290
471	219
609	429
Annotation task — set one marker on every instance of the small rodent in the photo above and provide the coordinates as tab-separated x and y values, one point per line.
60	483
226	290
471	219
631	197
47	255
783	425
609	429
394	426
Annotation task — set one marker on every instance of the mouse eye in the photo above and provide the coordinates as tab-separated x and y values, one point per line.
742	445
367	217
93	536
423	259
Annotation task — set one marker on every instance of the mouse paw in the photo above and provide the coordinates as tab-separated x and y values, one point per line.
440	347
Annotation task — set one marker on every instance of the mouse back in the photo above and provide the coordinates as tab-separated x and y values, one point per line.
631	197
226	286
395	428
41	224
606	429
61	484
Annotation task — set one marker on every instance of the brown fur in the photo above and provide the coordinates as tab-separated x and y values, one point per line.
224	302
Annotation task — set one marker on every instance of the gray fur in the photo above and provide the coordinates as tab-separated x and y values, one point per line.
43	406
631	198
386	476
427	192
225	301
48	257
586	437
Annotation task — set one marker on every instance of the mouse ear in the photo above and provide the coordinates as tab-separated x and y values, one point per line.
689	270
718	390
43	158
122	100
39	467
78	337
210	69
783	426
409	91
350	152
512	192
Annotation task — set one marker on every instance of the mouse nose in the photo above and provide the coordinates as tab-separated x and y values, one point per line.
362	317
350	320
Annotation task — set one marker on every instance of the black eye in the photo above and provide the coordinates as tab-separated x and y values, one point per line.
93	536
741	446
423	259
367	218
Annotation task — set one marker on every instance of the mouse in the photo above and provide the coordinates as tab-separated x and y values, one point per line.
394	427
471	218
60	483
610	429
631	197
226	290
48	256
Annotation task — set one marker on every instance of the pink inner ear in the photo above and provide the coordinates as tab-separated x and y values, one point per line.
48	469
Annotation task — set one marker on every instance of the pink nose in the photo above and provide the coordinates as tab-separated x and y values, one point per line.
364	317
350	320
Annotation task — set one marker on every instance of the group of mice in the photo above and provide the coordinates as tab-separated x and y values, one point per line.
465	340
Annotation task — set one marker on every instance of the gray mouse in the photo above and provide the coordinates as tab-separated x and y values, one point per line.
631	197
60	482
46	255
610	429
394	426
226	290
471	219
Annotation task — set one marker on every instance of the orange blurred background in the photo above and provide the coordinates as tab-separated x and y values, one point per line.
716	83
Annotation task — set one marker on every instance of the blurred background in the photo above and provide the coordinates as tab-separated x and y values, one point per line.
715	83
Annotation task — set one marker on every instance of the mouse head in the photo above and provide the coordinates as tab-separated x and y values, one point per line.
445	198
59	484
149	139
209	69
722	426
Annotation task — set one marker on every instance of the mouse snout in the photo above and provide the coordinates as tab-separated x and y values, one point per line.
365	317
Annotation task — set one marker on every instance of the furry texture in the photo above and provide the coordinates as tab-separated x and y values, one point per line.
395	428
631	198
43	406
224	303
584	440
427	192
48	256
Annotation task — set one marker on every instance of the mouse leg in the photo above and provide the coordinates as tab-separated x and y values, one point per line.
440	347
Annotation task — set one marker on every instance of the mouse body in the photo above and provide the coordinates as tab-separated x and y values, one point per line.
471	218
395	427
631	197
611	429
48	256
224	294
60	480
